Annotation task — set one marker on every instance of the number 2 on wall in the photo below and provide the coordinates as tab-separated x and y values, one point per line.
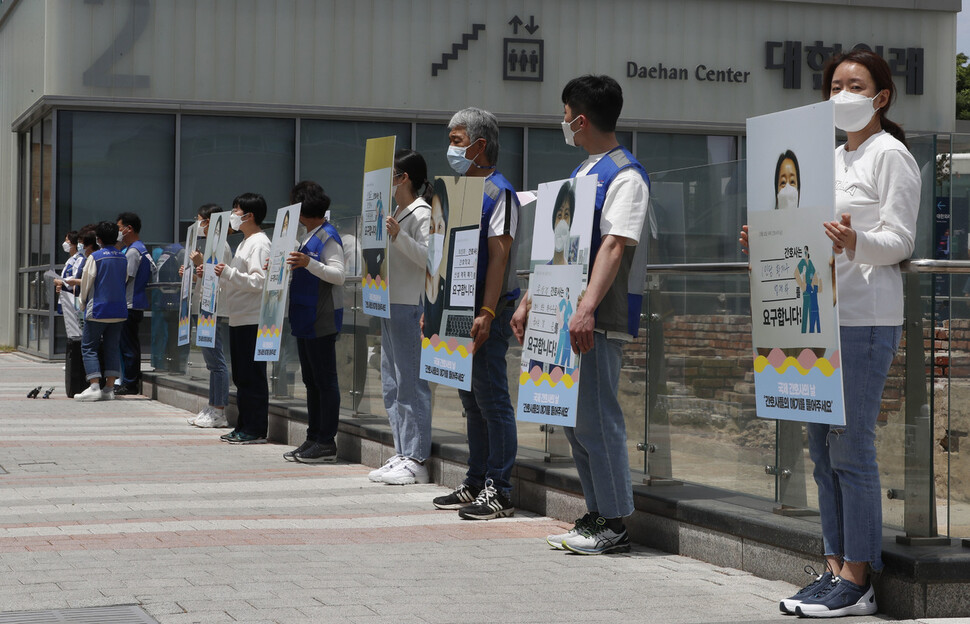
99	73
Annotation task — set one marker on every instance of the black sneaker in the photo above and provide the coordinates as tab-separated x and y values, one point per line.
820	580
317	453
461	497
489	504
229	436
289	456
124	390
246	438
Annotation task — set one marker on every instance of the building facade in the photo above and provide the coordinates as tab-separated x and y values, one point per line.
160	106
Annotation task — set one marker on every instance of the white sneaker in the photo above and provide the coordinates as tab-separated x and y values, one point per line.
91	394
406	472
377	475
191	419
108	395
219	420
204	421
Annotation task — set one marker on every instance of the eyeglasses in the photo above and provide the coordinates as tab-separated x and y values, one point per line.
397	174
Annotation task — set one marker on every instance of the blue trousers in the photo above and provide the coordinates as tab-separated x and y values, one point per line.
599	438
407	397
490	418
849	494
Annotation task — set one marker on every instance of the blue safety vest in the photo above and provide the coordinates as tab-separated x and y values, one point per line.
139	298
495	186
316	306
108	299
620	308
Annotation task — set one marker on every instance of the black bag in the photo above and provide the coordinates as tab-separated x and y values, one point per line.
74	377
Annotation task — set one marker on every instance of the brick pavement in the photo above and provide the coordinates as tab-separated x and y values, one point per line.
124	503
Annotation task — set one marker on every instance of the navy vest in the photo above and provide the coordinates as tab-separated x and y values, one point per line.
620	308
108	299
316	306
495	186
139	299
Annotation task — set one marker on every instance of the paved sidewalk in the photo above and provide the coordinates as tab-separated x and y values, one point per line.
124	503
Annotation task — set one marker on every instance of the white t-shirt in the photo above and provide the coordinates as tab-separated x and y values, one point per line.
878	184
625	206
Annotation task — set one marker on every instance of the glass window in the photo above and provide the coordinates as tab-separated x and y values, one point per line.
432	142
109	163
332	154
224	157
664	151
36	200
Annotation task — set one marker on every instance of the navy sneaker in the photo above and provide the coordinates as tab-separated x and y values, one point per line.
317	453
242	437
290	455
838	598
788	605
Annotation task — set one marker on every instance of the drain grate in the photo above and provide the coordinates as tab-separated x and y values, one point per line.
128	614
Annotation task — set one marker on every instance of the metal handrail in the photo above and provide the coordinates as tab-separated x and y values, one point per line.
916	265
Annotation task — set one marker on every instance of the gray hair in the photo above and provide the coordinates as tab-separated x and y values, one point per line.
478	124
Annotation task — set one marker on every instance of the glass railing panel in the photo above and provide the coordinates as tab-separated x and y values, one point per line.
702	426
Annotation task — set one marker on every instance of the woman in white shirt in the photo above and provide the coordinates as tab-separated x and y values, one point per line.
407	397
877	186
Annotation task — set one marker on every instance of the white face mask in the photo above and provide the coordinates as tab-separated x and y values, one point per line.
235	221
562	235
457	160
436	248
853	111
788	198
66	246
568	133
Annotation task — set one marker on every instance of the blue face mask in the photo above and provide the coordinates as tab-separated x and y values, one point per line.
457	160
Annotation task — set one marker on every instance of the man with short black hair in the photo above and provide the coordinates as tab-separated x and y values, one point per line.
316	316
486	492
607	315
103	300
140	270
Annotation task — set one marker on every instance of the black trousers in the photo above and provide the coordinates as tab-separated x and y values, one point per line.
252	391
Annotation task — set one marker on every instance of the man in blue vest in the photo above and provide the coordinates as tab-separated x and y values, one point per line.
490	419
105	310
316	316
140	268
607	315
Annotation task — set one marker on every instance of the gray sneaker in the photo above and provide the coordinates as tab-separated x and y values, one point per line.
581	524
598	539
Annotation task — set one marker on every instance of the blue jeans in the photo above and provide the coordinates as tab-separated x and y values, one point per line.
489	416
599	438
91	338
407	397
849	494
215	362
318	365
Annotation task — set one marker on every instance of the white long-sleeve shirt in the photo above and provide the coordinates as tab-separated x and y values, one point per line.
243	280
408	253
878	184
